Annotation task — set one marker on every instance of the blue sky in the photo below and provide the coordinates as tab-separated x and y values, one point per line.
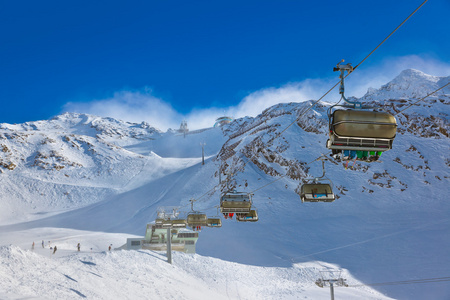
163	61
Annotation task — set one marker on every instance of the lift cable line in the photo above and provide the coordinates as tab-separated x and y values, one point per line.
260	188
209	191
350	71
390	34
317	101
413	281
353	68
269	183
372	239
422	99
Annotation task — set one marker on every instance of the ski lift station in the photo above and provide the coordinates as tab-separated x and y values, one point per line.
156	239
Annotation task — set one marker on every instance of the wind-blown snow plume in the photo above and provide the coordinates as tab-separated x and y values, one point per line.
143	105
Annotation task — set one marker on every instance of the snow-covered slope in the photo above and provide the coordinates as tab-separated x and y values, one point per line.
389	223
123	274
74	160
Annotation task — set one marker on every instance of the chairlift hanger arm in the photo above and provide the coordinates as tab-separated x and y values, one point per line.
343	68
323	169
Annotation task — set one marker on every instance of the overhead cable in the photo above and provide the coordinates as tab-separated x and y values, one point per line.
414	281
422	99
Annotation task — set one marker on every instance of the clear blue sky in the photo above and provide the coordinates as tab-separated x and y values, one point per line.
195	54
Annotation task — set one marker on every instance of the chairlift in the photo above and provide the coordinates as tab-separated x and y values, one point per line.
196	219
215	221
251	216
179	223
315	191
166	223
356	133
235	202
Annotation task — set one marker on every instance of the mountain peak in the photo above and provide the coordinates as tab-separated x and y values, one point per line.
415	75
409	84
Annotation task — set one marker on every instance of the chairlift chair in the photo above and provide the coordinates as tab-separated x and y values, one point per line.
316	192
179	223
356	133
214	222
197	219
235	202
361	130
166	223
251	216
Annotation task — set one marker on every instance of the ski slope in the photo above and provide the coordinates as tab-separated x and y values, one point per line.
107	179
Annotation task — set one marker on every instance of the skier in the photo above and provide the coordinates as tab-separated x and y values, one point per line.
78	246
54	250
32	246
42	243
109	248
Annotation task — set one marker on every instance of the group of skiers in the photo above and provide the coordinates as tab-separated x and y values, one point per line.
55	248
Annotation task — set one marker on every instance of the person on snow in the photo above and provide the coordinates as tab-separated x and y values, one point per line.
78	246
32	246
54	250
42	243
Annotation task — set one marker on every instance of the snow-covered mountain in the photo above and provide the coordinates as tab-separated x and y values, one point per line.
409	84
91	174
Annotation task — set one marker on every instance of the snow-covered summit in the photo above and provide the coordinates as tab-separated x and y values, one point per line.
409	84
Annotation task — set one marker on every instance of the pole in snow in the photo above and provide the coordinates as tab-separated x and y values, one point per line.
169	246
203	152
332	290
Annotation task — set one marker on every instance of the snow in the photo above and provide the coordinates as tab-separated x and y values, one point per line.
144	274
96	181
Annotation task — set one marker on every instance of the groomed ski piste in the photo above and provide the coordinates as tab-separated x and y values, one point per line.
97	181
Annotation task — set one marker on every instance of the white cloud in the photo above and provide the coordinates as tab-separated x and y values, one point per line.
256	102
138	106
132	106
